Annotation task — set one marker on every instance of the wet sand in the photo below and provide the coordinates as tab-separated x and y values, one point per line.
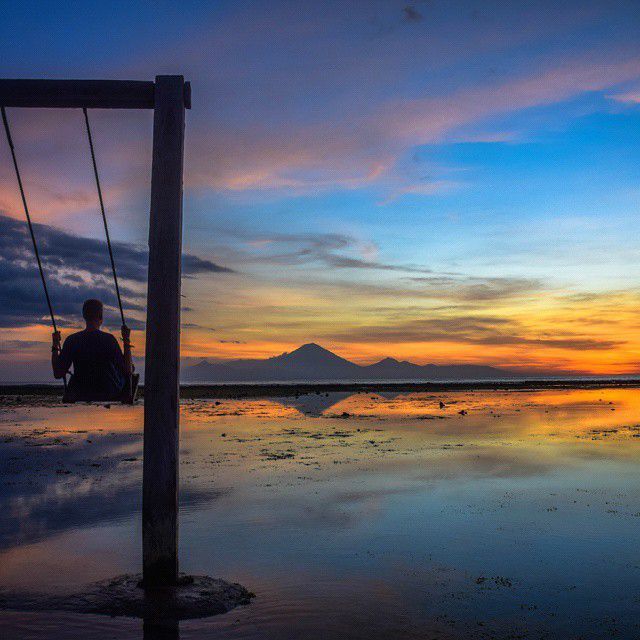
502	514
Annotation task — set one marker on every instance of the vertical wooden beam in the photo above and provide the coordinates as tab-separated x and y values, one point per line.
161	383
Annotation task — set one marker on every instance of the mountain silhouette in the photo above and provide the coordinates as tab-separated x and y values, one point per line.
311	362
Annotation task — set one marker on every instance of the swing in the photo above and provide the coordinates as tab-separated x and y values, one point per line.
131	387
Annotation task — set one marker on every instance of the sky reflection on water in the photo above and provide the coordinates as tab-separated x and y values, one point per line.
349	515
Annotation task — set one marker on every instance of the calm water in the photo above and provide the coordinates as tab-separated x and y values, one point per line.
362	516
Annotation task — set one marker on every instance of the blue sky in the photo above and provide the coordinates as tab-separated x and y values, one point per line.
416	179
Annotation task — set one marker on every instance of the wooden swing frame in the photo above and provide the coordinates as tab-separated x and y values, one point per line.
168	96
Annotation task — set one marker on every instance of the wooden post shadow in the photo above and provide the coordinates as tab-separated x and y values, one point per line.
168	96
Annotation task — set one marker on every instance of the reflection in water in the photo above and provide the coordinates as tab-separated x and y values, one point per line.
352	515
65	479
314	404
161	627
165	629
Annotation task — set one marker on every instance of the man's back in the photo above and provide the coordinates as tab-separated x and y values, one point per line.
98	365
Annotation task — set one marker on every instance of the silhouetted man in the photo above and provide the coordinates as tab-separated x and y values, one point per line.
101	372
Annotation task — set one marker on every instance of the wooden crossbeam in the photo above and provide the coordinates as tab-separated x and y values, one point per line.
90	94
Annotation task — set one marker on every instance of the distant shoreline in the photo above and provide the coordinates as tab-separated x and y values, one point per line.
286	389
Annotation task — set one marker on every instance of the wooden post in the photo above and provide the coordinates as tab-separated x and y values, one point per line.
161	383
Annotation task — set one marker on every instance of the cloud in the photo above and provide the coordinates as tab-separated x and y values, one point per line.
363	146
193	265
629	97
429	119
424	188
411	14
453	290
11	346
288	108
470	329
333	250
76	268
473	288
195	325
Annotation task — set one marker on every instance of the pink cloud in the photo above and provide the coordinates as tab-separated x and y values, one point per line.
361	149
431	119
282	107
629	97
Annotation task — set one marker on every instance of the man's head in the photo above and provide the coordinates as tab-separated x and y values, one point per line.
92	312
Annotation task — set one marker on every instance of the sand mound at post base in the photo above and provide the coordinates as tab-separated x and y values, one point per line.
195	597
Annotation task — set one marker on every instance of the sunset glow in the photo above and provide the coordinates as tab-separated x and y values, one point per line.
427	184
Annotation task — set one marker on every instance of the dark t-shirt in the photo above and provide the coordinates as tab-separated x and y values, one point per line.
98	365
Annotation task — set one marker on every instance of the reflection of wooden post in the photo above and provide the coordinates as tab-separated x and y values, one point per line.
161	390
161	630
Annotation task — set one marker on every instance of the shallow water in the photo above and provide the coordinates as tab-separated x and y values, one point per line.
350	516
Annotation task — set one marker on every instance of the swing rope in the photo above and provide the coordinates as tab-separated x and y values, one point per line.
104	220
7	131
26	211
104	216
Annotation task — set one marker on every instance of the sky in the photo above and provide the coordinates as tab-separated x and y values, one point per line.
434	181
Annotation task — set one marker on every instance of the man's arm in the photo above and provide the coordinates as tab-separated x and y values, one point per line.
59	361
126	344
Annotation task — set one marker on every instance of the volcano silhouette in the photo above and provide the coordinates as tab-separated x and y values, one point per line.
311	362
